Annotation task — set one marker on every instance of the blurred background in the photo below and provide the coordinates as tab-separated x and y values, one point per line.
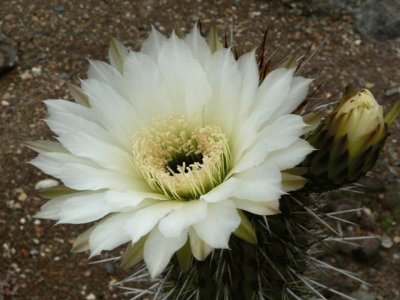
45	44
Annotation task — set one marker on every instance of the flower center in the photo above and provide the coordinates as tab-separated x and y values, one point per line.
179	161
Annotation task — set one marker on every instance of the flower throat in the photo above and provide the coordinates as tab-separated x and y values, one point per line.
181	162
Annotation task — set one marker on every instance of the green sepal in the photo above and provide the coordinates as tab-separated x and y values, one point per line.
393	113
45	146
133	254
291	62
246	230
81	243
117	54
184	257
56	191
78	94
313	119
178	31
213	40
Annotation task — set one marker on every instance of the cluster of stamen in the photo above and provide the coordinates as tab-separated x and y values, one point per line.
181	162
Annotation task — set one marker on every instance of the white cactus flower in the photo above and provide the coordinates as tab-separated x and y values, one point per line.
168	144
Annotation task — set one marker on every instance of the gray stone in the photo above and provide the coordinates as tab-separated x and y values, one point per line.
364	295
333	8
386	242
109	267
59	9
392	95
379	19
369	249
8	53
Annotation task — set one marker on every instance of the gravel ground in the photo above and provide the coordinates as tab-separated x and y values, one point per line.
55	39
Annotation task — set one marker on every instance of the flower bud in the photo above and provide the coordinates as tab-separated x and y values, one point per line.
360	118
348	140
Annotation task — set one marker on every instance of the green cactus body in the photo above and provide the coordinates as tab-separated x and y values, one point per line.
269	270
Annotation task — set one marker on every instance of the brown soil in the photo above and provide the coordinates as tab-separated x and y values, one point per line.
53	47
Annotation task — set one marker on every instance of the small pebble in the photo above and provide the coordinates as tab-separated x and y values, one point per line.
36	71
6	96
64	76
26	75
33	252
59	9
91	296
367	211
370	85
393	92
5	103
87	273
22	197
45	184
10	110
386	242
109	267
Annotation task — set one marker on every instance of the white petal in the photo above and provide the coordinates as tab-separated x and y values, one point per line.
200	249
222	219
130	199
62	106
84	177
159	249
225	80
250	79
62	119
84	208
273	91
260	184
290	156
186	81
258	208
147	89
152	45
109	234
180	219
147	218
245	137
113	111
52	162
298	91
103	153
284	131
51	210
222	191
103	72
83	174
198	46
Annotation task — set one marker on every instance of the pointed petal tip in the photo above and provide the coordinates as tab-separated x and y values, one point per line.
39	215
